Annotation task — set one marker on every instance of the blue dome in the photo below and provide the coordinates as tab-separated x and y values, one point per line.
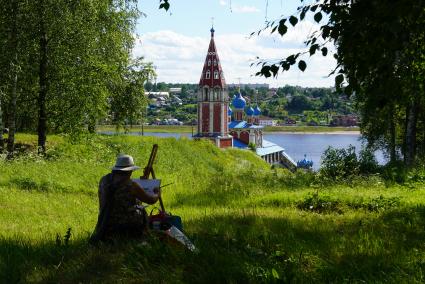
249	111
304	163
239	102
229	111
257	110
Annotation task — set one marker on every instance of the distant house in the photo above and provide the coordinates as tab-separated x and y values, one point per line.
152	95
251	86
159	99
175	90
345	120
290	121
176	100
267	121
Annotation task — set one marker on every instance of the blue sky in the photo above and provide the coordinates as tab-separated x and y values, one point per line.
176	41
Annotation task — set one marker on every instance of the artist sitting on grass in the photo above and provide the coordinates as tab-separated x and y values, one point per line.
119	198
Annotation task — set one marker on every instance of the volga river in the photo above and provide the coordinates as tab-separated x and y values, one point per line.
297	145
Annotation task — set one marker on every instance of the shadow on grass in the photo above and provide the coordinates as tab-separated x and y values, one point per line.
385	247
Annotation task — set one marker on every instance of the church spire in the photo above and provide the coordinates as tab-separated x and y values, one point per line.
212	73
212	27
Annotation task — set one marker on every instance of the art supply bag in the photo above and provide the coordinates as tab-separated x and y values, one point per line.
164	221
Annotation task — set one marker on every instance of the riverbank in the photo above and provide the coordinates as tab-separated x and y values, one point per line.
250	223
267	129
336	132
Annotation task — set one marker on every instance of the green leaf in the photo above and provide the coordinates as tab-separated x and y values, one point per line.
302	65
285	65
339	79
313	49
265	71
293	20
165	6
275	274
274	70
318	17
326	30
324	51
282	28
291	59
302	15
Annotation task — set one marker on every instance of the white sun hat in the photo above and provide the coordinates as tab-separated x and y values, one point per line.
125	163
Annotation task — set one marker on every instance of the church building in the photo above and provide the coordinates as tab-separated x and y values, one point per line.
213	101
231	126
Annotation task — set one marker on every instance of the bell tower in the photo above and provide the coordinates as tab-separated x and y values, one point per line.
213	100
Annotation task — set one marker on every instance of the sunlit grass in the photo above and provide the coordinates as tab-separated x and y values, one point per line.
249	222
149	128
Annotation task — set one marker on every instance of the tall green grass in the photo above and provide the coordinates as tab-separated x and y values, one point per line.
250	223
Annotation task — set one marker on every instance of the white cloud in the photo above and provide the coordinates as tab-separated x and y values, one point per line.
223	2
244	9
180	58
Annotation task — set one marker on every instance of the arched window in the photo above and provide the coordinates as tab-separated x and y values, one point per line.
217	94
206	94
208	74
209	62
216	74
215	62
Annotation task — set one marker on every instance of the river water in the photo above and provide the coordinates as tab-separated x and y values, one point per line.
296	145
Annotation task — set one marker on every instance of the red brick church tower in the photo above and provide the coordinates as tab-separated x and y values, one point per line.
213	100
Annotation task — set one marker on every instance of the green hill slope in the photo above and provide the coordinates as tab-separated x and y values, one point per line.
249	222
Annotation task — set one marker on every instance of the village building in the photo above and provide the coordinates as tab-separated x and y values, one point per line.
250	86
345	120
175	90
267	121
153	95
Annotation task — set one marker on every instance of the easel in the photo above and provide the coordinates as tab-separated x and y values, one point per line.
148	170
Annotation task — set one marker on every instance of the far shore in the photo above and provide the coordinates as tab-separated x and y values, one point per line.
267	129
341	132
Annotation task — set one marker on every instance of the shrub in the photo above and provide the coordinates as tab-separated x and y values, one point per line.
343	163
252	146
367	162
339	163
395	172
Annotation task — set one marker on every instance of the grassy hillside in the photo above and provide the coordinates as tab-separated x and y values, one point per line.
249	222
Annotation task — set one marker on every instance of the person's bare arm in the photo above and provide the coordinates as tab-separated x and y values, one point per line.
142	195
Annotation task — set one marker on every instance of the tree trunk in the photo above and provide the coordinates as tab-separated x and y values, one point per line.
91	125
392	145
1	131
14	83
12	118
411	123
43	83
